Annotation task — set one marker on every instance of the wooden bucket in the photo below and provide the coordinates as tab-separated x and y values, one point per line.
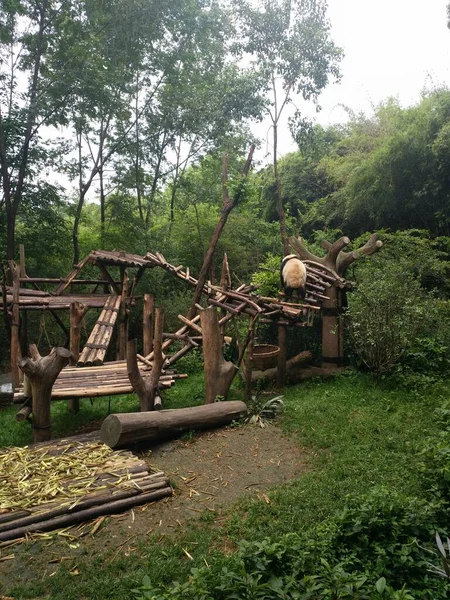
265	356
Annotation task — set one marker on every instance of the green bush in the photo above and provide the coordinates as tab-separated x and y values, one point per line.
386	313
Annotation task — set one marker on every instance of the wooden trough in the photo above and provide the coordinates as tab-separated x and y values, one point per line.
265	356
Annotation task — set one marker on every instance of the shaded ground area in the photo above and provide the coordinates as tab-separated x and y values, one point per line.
208	473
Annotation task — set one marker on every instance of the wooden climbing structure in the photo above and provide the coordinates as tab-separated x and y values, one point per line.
90	374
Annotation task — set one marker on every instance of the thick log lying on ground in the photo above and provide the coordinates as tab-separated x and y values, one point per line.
127	428
291	365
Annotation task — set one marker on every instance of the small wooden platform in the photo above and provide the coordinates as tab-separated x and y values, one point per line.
109	379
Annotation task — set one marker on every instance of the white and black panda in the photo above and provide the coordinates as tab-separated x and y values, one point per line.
293	276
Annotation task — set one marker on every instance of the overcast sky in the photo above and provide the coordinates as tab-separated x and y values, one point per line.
392	48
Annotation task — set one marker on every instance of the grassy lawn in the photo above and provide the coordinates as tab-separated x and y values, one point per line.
358	436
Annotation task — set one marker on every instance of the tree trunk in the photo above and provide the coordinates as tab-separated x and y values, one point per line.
128	428
42	373
219	373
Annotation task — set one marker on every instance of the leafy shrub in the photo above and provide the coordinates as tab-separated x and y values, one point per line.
386	313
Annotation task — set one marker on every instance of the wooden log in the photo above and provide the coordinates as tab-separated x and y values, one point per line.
77	312
12	515
147	324
24	412
123	316
219	373
42	373
127	428
105	497
282	355
249	360
291	365
15	324
332	331
87	514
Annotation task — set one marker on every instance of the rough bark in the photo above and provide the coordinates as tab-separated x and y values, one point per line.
219	373
128	428
42	373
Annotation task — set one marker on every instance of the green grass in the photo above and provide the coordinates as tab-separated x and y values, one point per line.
357	435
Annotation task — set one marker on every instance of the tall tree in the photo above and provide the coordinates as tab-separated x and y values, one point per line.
290	45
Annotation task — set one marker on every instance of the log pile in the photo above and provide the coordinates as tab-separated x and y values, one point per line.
101	482
109	379
95	348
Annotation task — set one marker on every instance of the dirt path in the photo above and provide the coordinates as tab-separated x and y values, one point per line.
208	473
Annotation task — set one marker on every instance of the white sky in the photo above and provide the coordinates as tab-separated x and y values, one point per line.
392	48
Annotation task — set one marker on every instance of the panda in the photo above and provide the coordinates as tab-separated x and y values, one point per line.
293	276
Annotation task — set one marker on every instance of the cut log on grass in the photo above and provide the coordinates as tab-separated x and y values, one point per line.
291	365
127	428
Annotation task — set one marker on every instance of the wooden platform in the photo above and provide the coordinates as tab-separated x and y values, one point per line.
109	379
68	482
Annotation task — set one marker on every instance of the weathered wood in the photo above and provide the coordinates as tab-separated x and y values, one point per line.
249	360
42	373
291	365
15	324
146	388
123	316
282	356
227	207
147	324
96	347
147	484
219	373
77	312
127	428
332	331
158	357
67	520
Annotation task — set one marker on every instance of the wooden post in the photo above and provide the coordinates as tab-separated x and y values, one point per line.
147	325
42	373
249	360
23	331
77	312
282	356
147	389
219	373
227	206
332	331
15	323
23	272
123	317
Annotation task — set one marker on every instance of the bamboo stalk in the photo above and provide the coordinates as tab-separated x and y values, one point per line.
67	520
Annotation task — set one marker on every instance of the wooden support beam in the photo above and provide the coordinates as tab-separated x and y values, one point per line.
219	373
147	324
15	325
282	356
128	428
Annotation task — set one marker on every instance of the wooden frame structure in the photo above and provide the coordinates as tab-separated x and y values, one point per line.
89	375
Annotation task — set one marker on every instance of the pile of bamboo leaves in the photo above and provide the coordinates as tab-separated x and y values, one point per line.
62	484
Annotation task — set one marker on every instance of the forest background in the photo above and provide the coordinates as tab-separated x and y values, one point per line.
134	104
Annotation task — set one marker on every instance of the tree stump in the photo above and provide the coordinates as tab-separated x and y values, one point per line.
42	373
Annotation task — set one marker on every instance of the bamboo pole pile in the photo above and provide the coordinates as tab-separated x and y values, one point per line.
60	484
109	379
95	348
